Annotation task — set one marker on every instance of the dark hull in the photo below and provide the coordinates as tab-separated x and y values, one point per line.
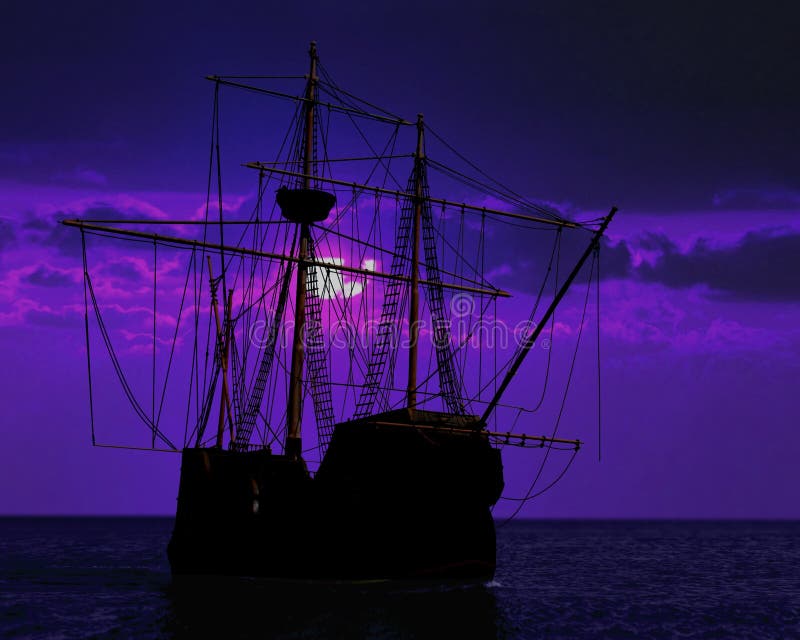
388	502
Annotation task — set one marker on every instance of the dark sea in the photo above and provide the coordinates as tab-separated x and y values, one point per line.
109	577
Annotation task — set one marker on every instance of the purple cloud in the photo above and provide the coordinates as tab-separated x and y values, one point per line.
82	175
46	276
763	265
7	234
757	198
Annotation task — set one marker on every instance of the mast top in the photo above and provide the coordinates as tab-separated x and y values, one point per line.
420	152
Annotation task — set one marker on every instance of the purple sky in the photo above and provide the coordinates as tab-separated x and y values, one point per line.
684	117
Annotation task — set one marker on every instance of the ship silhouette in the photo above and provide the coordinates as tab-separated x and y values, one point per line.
406	477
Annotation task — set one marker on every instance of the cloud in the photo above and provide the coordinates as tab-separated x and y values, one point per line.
231	204
49	231
755	199
26	311
34	223
66	318
82	175
14	156
644	319
7	234
615	260
763	265
519	259
45	276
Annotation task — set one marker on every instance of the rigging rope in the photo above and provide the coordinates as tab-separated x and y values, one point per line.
555	258
175	336
529	495
118	368
510	195
86	328
250	306
599	388
153	379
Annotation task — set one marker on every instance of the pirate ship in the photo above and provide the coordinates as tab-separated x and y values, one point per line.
407	472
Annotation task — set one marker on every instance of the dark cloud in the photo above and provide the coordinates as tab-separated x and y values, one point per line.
7	235
64	320
44	276
81	175
649	104
103	211
757	199
615	259
34	223
525	254
764	265
64	239
67	240
123	270
655	242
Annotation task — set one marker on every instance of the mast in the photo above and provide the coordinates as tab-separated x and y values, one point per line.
531	339
294	410
413	311
224	334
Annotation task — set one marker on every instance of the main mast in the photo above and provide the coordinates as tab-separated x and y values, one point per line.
413	307
294	410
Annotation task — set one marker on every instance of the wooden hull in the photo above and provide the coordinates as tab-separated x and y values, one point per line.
388	502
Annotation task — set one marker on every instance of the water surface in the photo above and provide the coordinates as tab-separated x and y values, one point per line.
109	577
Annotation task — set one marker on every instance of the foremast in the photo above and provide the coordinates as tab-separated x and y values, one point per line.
294	411
413	307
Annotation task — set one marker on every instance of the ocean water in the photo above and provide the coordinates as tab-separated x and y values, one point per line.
109	577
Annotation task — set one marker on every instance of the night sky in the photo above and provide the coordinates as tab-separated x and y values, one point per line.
684	115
